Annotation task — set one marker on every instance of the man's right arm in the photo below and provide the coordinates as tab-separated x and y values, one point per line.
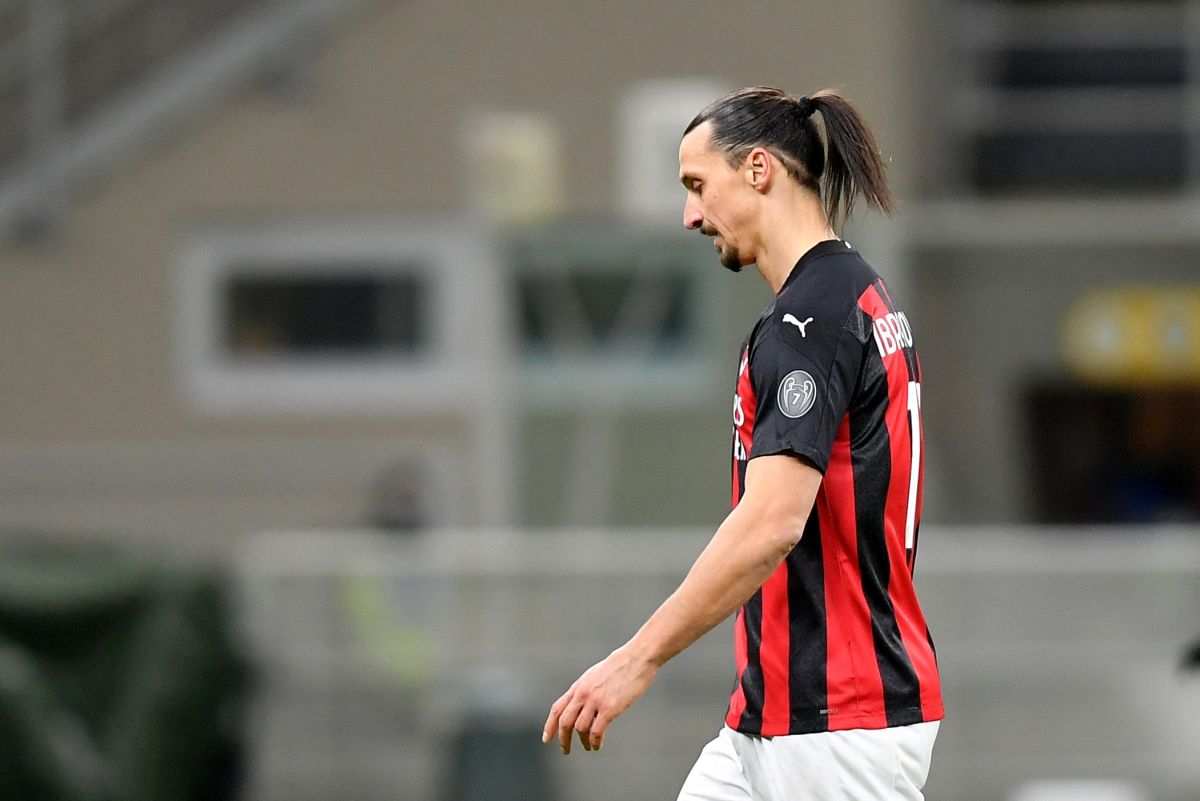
746	549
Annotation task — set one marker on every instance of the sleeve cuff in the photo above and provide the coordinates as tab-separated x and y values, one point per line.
809	453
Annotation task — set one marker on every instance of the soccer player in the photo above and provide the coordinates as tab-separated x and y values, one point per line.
837	693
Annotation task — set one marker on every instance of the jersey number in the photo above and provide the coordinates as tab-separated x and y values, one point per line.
914	473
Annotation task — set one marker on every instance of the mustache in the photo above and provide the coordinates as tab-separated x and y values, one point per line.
708	230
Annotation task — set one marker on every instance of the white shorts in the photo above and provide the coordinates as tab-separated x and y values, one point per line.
852	765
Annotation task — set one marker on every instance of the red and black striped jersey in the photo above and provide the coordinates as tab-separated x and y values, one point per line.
835	638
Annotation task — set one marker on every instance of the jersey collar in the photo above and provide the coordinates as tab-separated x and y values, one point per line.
818	250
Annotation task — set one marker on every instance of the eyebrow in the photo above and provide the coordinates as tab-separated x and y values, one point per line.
686	179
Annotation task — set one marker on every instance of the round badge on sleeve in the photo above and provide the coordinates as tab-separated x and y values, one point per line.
797	392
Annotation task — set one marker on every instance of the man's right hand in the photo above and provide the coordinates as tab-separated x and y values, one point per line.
597	697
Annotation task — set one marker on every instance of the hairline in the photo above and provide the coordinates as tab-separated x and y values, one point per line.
735	154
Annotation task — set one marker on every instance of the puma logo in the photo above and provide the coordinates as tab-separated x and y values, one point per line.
791	318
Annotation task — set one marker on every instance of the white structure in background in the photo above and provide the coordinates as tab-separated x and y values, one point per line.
370	646
439	278
652	116
443	320
1079	790
618	320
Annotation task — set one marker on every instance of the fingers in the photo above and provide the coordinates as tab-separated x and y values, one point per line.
571	716
599	726
566	722
583	726
561	719
552	718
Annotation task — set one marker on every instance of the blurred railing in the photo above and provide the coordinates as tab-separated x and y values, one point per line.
1059	650
60	60
83	82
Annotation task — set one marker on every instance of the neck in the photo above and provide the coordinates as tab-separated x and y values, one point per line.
790	230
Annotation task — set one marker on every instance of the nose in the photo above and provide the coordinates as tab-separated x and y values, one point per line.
692	217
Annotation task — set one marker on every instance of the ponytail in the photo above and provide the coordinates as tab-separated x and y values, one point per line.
853	165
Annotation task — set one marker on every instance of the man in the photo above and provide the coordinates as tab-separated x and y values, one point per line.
837	693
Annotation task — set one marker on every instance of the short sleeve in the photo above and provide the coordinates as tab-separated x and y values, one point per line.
804	372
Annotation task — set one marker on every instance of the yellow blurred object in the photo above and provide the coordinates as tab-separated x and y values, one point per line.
515	173
391	644
1134	335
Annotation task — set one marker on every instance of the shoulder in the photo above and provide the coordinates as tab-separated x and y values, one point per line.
831	282
822	303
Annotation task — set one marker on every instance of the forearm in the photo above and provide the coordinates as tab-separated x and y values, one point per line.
741	555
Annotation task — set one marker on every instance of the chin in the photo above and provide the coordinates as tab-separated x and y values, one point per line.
732	259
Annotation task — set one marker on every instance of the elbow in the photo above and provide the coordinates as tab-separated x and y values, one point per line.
788	534
783	533
780	495
776	527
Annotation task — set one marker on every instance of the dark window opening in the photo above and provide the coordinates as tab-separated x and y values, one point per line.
352	315
1081	66
1115	456
1124	160
606	309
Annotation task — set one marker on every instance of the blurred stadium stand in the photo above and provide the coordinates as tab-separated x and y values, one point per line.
248	282
86	83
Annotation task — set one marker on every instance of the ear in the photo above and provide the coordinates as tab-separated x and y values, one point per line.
759	169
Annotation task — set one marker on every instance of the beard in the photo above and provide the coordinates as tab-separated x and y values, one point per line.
731	260
728	255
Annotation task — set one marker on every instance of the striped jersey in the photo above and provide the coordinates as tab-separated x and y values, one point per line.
835	638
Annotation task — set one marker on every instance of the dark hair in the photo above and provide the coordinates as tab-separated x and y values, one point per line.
839	169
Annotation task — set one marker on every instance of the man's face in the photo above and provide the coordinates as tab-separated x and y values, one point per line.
717	198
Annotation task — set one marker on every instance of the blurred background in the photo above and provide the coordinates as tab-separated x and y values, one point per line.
361	386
